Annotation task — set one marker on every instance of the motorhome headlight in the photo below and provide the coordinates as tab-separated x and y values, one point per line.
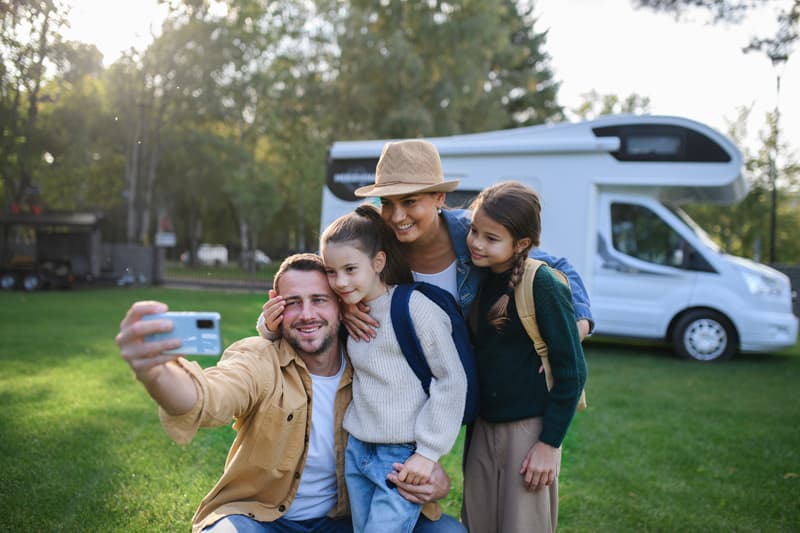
760	284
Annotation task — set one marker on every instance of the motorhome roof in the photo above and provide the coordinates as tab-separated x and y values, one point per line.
675	159
546	138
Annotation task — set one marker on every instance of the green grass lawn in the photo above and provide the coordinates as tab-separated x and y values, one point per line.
232	271
665	445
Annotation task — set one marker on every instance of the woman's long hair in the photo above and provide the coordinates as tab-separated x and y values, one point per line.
518	209
365	228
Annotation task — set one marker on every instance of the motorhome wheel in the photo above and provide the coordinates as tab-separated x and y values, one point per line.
704	335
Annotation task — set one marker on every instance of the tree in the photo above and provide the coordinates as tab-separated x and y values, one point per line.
779	44
195	193
286	127
30	44
230	110
743	229
595	105
777	48
409	69
79	162
191	76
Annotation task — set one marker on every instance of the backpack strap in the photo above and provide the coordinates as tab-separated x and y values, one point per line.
526	309
412	349
407	335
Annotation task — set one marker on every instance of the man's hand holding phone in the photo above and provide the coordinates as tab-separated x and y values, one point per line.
147	342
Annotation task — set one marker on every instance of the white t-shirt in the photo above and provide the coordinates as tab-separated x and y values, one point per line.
446	279
316	494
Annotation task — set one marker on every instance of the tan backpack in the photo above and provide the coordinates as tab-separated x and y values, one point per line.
523	294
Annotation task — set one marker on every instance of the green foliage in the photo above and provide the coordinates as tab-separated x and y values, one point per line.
665	445
744	228
596	105
30	43
781	43
85	171
409	69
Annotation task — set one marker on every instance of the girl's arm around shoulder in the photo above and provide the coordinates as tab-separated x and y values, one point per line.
555	317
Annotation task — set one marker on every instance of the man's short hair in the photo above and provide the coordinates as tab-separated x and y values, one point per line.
305	262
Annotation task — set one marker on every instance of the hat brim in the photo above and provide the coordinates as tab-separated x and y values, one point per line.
403	189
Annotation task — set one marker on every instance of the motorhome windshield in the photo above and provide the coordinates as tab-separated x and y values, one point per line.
694	227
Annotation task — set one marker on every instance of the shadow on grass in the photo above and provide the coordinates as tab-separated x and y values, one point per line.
627	348
763	358
663	351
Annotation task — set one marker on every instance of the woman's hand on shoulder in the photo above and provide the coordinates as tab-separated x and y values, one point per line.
584	327
359	324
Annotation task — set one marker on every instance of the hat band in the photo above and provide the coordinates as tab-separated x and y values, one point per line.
404	182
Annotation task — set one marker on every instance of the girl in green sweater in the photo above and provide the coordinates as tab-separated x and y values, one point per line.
511	469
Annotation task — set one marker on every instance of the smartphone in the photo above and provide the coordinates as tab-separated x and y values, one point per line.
198	332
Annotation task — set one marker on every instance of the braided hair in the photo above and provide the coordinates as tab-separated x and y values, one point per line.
368	232
517	208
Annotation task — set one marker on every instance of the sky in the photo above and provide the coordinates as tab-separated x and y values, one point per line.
686	68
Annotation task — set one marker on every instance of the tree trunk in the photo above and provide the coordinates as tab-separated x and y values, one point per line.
246	259
301	220
132	175
154	155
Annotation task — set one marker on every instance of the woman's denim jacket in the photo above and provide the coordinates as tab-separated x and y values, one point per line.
469	277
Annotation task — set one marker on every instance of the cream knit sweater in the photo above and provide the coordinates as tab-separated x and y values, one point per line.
389	405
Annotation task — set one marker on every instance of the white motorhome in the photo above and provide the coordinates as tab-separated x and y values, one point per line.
611	188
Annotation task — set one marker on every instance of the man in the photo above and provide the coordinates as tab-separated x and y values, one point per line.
285	469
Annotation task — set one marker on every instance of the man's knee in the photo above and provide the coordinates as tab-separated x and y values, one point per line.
236	523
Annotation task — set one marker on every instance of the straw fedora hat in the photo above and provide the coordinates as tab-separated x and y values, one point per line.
408	167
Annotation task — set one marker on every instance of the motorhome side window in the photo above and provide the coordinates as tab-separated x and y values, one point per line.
638	232
460	199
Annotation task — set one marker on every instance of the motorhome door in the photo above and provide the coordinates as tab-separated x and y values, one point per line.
641	275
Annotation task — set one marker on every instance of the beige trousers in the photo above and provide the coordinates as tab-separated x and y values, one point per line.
495	497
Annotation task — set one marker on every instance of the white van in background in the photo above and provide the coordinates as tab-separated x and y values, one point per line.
212	254
611	190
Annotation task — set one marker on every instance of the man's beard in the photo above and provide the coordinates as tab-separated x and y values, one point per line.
295	343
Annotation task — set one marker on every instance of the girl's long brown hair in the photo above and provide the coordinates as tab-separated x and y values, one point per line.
367	230
517	208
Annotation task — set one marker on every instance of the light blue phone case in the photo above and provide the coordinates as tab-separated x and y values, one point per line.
198	331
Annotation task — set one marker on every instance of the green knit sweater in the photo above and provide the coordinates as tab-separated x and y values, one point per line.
511	387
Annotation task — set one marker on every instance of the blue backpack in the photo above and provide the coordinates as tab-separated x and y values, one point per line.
409	342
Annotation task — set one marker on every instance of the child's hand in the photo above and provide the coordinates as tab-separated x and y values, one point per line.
436	489
416	470
273	311
541	466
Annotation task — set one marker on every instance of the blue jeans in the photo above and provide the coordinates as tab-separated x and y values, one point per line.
374	504
241	524
446	524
